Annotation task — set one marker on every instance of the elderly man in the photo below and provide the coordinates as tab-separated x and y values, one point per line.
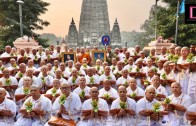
94	110
107	75
107	92
70	108
123	110
7	79
36	109
83	90
179	104
70	66
58	74
66	74
148	114
7	109
30	64
74	79
80	71
130	64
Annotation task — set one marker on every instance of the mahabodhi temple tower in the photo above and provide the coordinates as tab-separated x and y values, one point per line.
94	23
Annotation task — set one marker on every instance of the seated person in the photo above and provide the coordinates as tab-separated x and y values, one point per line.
148	114
178	105
94	110
123	110
7	109
36	109
191	114
82	90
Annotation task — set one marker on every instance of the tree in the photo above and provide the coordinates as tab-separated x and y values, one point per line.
10	24
166	24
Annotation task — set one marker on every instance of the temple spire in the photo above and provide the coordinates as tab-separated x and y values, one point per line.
72	21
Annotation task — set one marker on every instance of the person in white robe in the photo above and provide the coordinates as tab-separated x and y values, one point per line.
118	71
134	91
178	106
7	53
65	74
97	115
44	79
122	115
55	66
58	75
83	91
130	65
147	116
191	115
124	79
161	92
71	108
25	89
7	109
13	65
108	93
22	71
40	111
78	68
56	86
74	79
90	77
47	55
98	67
107	75
113	66
29	73
70	67
50	72
30	64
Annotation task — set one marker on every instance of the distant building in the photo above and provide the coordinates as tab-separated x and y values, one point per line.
94	23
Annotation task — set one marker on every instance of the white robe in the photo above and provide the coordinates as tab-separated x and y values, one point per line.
96	79
70	81
192	86
78	90
72	105
7	105
112	92
139	91
177	118
144	104
122	80
42	103
126	120
34	79
102	105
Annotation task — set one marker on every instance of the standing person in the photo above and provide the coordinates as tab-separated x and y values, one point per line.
109	55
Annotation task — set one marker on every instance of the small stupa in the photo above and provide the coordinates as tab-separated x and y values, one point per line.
24	42
158	44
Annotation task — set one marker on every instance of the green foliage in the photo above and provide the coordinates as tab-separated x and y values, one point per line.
10	24
166	24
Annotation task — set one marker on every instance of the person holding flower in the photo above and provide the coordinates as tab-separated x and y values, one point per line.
55	65
98	66
149	110
58	75
78	68
133	91
74	79
178	105
36	109
14	65
29	73
114	64
82	90
30	64
68	104
55	90
94	110
65	74
21	72
25	90
123	110
7	109
161	92
91	78
118	71
124	79
108	93
130	65
44	79
70	66
107	75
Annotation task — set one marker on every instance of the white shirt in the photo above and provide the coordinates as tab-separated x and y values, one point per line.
160	90
8	105
70	80
139	91
103	77
50	91
78	90
95	78
72	105
12	79
34	80
123	80
112	92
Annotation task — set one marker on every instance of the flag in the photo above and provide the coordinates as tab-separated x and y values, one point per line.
182	7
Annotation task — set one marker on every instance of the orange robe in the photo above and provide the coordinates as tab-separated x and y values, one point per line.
82	56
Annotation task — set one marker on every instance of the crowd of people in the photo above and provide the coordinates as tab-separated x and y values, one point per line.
130	88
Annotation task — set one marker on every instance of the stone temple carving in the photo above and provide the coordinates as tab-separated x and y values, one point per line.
94	23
